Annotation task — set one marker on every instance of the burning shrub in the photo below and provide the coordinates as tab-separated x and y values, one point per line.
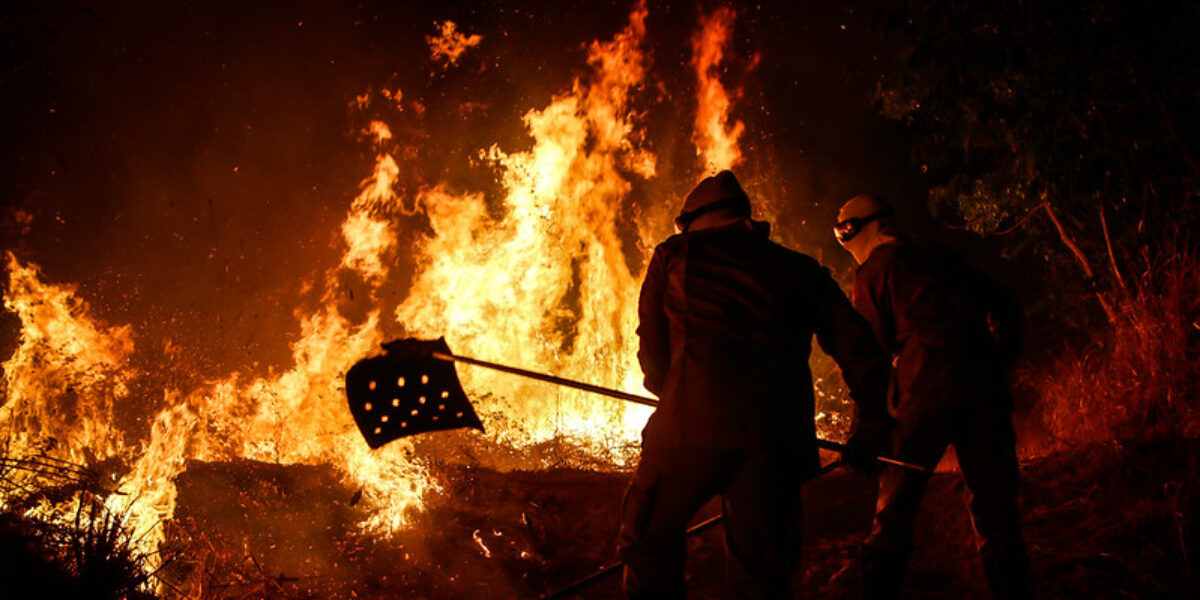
59	538
92	555
1139	382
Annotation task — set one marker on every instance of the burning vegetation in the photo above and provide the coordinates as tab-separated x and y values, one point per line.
131	469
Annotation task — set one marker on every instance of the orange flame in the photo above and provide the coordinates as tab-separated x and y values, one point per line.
66	375
450	44
716	142
546	284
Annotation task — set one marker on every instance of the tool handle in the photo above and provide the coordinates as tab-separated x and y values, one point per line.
571	383
840	447
611	393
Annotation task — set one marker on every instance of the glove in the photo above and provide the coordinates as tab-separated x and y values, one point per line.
871	438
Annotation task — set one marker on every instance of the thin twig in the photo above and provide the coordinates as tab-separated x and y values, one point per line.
1112	257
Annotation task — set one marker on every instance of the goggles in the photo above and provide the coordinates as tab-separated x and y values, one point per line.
845	231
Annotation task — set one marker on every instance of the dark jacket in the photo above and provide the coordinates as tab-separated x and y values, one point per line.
951	329
726	325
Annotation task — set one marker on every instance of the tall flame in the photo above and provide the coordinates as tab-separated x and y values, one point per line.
68	371
66	375
546	283
716	141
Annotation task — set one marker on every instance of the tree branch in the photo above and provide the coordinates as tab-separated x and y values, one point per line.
1079	256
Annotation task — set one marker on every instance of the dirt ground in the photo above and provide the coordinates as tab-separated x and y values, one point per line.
1101	522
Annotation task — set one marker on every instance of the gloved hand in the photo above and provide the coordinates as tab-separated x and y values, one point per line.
871	438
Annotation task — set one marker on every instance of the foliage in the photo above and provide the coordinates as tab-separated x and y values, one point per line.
1074	108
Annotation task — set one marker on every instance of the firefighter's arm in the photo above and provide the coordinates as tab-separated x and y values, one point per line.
846	336
654	347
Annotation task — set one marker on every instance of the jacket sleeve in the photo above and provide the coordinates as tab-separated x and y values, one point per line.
872	302
847	337
654	347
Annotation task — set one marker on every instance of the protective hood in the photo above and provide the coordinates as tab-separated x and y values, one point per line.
714	193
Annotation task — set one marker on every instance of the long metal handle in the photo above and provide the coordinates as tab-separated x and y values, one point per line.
571	383
643	400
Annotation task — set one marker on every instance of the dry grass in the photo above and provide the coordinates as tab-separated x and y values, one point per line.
1139	381
1114	521
1112	511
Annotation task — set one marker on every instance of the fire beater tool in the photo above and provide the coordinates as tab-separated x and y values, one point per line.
413	388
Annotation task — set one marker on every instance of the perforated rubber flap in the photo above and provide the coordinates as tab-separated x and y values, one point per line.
406	392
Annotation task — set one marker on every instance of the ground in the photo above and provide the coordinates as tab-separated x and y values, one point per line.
1103	521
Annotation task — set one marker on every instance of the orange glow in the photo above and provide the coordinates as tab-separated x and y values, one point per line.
716	141
69	371
545	284
65	376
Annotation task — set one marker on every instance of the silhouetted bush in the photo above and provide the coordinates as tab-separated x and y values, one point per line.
86	553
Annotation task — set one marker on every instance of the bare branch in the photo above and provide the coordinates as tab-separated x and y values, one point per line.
1111	256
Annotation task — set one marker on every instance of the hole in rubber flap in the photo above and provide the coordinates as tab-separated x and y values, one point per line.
371	385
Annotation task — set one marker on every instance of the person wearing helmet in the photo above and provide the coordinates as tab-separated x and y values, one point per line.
952	332
727	319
